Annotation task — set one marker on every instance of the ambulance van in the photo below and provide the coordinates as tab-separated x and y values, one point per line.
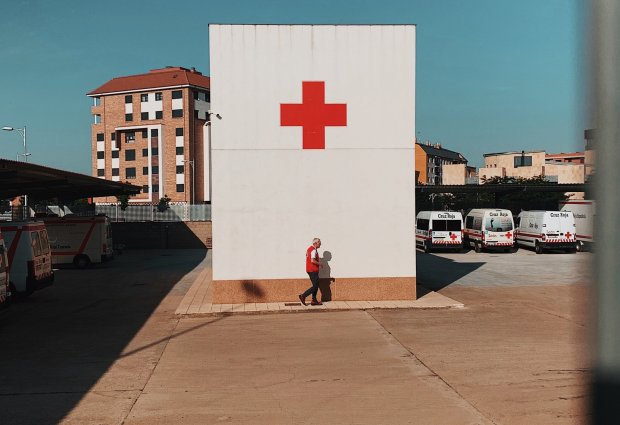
29	255
584	212
488	228
544	230
79	240
5	292
439	229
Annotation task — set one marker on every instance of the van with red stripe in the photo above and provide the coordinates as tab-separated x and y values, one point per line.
439	229
489	228
80	240
5	292
29	256
543	230
584	212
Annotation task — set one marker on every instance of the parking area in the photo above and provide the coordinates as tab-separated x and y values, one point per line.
103	346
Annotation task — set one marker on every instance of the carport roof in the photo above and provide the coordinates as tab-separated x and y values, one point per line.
22	178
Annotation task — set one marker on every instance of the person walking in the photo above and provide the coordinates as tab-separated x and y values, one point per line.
312	268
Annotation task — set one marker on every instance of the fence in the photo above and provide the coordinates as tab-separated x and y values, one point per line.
133	212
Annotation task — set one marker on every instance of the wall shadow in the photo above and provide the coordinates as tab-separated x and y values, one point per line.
435	272
162	234
325	277
60	341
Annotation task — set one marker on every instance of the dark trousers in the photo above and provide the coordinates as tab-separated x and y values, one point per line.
314	289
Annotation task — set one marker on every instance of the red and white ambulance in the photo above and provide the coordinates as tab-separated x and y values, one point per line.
544	230
490	228
584	212
29	255
80	240
439	229
5	292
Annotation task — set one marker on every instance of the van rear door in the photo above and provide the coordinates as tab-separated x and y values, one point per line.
446	231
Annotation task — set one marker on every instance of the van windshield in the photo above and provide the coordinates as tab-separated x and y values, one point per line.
446	225
498	224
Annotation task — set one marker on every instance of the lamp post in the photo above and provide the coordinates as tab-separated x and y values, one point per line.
191	163
22	131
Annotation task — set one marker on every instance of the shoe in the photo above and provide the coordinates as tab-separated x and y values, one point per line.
315	302
302	299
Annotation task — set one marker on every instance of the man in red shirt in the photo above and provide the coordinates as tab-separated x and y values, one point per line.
312	268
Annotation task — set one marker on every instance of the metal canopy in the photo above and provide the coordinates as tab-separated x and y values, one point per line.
22	178
504	188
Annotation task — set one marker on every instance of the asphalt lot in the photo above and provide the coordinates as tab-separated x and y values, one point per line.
103	346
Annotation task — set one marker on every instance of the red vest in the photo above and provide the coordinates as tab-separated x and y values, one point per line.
310	267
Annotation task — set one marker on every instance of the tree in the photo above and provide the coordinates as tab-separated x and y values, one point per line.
123	201
164	204
526	199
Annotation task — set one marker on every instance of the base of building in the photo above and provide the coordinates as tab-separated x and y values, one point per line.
339	289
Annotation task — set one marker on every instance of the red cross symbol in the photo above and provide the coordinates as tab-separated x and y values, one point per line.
452	236
568	235
509	235
313	114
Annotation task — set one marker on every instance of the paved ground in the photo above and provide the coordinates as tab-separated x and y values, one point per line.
104	347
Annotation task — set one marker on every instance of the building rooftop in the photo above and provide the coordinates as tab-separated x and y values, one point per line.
171	76
437	150
510	153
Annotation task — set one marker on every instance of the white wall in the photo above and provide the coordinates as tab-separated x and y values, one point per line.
271	197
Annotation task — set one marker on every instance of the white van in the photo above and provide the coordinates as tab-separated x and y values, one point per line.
543	230
490	228
29	255
439	229
5	292
79	240
584	212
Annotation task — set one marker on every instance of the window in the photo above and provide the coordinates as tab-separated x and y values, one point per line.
177	113
159	115
97	119
128	98
145	171
154	132
155	169
100	154
130	137
145	188
180	188
145	152
130	155
195	113
115	172
154	151
207	96
100	137
180	169
469	222
115	154
113	136
128	117
446	225
144	97
145	134
179	150
100	172
179	131
423	224
156	188
523	161
177	94
158	96
196	95
144	116
130	173
498	224
96	101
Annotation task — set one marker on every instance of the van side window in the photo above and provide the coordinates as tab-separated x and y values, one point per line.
439	225
2	262
423	224
45	244
477	223
36	243
469	222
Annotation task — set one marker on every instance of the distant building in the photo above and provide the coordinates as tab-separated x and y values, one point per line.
435	165
150	130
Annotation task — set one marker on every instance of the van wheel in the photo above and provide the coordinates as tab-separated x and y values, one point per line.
477	247
538	248
579	246
427	247
81	261
514	249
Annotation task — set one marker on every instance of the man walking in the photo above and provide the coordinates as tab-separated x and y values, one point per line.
312	268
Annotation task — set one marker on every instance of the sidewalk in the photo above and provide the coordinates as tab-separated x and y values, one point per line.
198	301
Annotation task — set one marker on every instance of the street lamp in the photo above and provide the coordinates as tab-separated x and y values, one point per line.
22	131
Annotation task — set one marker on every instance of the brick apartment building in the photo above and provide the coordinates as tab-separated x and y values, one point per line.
151	130
436	165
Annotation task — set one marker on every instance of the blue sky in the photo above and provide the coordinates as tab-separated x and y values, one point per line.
492	75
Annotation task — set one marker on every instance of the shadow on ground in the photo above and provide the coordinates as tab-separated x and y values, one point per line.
435	272
59	342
